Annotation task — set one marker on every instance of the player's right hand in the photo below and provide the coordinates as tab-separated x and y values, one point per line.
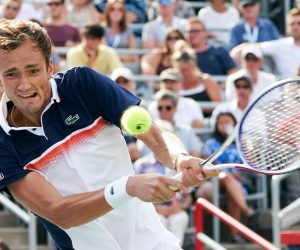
153	187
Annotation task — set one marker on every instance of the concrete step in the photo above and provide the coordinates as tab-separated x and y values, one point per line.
14	235
7	219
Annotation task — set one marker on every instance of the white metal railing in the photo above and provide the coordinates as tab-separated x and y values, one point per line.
26	217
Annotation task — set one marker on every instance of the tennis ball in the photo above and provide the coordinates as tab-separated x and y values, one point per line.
136	120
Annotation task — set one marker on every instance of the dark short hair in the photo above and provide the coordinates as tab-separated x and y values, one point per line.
246	79
93	31
14	33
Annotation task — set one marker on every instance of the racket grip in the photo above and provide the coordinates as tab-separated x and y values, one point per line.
178	178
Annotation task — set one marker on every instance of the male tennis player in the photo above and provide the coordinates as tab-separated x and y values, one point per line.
63	156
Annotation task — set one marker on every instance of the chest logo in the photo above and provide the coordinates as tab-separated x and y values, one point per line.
1	176
72	119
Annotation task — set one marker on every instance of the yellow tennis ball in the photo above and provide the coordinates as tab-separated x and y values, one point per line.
136	120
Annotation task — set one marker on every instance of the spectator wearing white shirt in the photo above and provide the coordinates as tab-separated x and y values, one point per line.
219	18
243	89
154	32
285	52
252	61
188	112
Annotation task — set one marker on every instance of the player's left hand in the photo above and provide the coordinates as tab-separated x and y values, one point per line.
192	173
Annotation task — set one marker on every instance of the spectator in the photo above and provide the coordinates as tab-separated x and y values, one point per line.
117	33
154	32
135	10
243	89
81	13
182	10
231	180
161	58
171	213
29	11
166	107
60	31
214	60
219	19
90	52
252	29
252	61
188	111
10	9
195	84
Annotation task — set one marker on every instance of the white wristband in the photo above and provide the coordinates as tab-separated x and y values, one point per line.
115	192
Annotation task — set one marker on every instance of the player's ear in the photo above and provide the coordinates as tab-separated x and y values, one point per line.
50	69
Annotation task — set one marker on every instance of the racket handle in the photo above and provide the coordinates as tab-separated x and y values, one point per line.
178	178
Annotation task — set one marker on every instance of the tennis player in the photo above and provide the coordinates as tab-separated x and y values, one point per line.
63	156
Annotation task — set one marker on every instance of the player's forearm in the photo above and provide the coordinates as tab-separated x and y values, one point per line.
78	209
165	145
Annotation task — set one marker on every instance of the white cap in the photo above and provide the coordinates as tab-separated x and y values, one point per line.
122	72
252	49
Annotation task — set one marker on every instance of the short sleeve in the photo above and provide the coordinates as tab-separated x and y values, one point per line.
10	170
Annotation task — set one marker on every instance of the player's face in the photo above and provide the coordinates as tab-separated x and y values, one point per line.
24	75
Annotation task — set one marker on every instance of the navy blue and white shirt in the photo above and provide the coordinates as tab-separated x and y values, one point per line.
80	148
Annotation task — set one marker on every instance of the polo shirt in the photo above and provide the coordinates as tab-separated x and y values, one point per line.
80	148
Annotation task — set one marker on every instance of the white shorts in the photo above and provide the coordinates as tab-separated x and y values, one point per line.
168	243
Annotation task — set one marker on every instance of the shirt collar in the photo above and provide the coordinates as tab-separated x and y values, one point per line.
4	112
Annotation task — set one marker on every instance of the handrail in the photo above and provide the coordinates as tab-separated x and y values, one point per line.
28	218
203	204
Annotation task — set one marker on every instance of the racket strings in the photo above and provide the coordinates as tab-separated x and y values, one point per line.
270	134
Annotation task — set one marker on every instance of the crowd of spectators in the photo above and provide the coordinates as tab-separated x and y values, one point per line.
186	49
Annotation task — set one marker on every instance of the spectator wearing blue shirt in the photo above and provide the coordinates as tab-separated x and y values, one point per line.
214	60
252	28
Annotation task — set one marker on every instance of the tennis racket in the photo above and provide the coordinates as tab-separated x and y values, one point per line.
268	135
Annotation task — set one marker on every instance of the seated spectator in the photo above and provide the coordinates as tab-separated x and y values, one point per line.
81	13
243	89
29	11
60	31
172	213
167	102
253	28
188	111
182	10
10	9
117	33
231	179
285	52
219	18
252	61
195	84
90	52
161	59
154	32
135	10
214	60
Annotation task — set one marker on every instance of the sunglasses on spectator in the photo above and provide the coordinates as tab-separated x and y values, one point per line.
54	3
173	38
119	9
8	7
194	31
167	108
251	58
122	81
242	86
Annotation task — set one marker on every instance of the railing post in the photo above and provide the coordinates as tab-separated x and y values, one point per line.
199	221
32	233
